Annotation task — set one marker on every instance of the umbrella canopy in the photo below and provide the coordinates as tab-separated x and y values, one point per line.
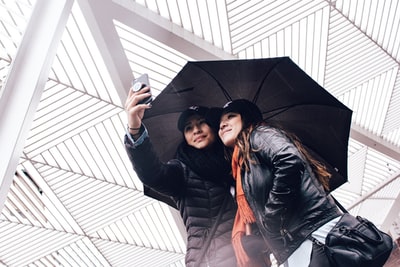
284	93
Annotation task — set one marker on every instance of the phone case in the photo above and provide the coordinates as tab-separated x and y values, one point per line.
140	83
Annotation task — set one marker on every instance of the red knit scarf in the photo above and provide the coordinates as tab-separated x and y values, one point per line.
244	215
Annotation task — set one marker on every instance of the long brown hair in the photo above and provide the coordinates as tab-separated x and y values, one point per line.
245	150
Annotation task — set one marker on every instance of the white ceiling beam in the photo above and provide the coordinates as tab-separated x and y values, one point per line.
99	17
395	208
25	83
379	144
153	25
375	142
393	213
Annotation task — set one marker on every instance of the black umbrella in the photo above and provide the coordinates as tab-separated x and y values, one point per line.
284	93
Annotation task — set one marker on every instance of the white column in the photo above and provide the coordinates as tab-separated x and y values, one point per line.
25	83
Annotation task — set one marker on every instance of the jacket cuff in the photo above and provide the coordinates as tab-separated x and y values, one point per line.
130	142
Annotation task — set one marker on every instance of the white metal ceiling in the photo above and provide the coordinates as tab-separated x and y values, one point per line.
74	199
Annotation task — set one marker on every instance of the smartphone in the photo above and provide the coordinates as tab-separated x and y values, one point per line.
139	83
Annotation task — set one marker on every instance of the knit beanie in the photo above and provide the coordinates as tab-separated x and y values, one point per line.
248	110
211	116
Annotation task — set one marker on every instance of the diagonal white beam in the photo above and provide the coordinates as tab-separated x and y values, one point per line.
25	82
150	23
100	16
379	144
373	141
393	213
394	210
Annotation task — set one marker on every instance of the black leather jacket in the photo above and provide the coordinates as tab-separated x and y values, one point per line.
198	200
288	201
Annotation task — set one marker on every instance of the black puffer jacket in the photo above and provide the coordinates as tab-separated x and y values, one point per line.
198	199
288	201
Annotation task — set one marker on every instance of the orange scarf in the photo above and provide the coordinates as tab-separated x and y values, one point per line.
244	215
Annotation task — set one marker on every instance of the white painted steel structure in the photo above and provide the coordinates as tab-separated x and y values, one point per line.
68	194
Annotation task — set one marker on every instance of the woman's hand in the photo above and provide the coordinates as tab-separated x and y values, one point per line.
134	110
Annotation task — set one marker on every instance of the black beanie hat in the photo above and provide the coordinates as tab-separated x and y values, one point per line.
211	116
248	110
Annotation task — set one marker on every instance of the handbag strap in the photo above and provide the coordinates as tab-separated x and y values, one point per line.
316	241
339	205
213	229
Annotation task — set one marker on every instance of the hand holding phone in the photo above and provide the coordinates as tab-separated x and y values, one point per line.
138	84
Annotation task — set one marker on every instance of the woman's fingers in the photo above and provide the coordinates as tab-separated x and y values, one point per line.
134	110
134	97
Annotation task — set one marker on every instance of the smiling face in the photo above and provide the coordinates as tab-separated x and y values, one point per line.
230	126
197	132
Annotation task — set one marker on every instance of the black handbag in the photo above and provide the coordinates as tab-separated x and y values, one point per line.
356	242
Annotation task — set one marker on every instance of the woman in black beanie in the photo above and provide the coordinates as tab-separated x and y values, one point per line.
280	189
198	179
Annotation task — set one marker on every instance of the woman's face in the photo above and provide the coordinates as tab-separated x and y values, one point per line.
230	126
197	132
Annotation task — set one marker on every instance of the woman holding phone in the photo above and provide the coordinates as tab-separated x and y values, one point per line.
198	179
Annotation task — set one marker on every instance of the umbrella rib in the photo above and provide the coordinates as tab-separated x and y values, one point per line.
278	111
263	81
224	91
